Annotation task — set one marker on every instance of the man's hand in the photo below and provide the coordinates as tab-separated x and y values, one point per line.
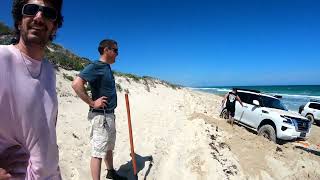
78	86
100	103
11	160
4	175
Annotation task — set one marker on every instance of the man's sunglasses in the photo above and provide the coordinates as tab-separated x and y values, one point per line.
33	9
114	50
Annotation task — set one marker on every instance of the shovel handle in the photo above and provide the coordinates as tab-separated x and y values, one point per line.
130	135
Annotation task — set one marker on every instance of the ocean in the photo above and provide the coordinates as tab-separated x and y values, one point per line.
292	96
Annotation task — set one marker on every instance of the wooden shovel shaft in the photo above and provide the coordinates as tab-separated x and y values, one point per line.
130	135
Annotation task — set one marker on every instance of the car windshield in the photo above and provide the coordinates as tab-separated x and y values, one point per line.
272	103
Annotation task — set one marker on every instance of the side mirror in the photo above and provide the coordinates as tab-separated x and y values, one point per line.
256	102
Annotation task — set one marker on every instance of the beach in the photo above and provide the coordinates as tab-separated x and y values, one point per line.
177	134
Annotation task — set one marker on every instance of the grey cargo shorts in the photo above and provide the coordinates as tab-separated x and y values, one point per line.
102	133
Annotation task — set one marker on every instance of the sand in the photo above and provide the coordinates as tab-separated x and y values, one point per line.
178	135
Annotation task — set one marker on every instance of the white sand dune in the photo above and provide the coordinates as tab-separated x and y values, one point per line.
177	135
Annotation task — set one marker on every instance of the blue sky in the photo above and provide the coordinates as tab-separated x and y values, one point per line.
199	43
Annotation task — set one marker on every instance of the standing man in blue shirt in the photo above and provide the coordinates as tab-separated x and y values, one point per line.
102	104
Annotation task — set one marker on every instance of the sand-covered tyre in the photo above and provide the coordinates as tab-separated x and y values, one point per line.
310	117
268	132
224	114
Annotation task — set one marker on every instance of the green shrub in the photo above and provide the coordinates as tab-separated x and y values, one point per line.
5	30
173	86
119	88
128	75
66	76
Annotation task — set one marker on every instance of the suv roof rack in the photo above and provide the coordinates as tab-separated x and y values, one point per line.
315	100
251	90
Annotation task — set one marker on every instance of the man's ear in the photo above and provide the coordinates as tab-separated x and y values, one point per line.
105	49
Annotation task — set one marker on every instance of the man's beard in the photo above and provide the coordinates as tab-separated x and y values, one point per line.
40	38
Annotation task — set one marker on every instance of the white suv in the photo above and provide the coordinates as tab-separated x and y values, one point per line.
269	117
311	110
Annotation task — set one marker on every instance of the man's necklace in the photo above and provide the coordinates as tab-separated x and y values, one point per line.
24	61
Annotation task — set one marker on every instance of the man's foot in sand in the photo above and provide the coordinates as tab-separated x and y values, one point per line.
231	122
112	174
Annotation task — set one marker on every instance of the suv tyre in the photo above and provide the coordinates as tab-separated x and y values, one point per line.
310	117
268	132
225	114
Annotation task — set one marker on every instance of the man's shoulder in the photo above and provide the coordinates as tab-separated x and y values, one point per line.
99	64
89	67
5	50
95	66
4	46
89	72
6	53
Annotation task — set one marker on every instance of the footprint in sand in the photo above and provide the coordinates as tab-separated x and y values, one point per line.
74	174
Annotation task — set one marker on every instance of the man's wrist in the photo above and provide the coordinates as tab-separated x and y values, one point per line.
91	103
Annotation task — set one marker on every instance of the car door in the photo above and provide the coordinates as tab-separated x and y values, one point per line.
252	113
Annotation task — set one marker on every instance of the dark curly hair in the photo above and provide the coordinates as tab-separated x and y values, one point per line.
17	6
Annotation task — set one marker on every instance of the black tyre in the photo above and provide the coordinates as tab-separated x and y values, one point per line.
268	132
224	114
310	117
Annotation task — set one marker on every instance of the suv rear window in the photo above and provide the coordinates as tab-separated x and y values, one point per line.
248	98
243	97
314	106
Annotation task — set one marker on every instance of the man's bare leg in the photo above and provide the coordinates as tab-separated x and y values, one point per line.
108	160
95	166
229	118
231	121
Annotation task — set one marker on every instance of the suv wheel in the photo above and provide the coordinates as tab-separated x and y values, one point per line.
268	132
310	117
225	114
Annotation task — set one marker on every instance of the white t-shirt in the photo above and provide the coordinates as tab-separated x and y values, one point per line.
232	97
28	111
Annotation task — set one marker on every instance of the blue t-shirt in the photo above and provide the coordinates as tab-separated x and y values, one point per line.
100	78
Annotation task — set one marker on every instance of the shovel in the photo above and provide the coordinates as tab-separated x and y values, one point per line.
131	138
